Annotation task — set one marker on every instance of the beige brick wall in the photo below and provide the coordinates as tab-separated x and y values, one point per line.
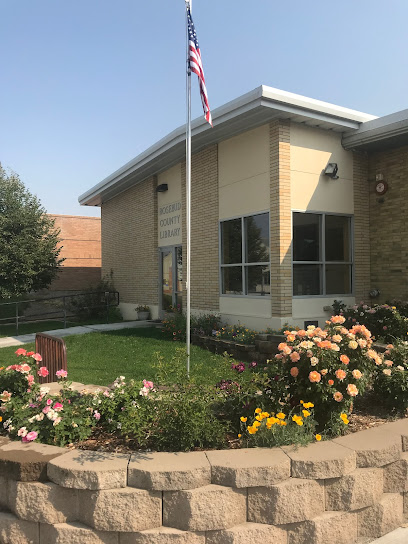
388	224
129	243
281	222
361	227
204	229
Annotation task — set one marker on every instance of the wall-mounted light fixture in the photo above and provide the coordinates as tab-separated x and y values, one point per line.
374	293
162	188
331	170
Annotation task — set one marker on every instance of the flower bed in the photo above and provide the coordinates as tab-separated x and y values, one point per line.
339	491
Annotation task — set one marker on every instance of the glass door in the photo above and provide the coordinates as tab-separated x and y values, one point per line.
171	278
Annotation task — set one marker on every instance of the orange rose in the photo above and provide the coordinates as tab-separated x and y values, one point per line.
330	382
315	376
337	319
344	359
352	390
338	397
294	371
294	357
340	374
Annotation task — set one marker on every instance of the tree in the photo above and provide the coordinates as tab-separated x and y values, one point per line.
29	256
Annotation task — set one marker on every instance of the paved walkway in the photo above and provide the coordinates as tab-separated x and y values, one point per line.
61	333
399	536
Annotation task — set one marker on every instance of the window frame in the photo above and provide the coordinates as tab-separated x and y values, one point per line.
243	264
322	262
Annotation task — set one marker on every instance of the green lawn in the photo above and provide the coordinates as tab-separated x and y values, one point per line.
100	357
40	326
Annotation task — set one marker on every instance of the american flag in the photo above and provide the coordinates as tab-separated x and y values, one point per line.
196	66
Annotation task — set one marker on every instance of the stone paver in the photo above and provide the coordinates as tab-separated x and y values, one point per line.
321	460
330	527
26	462
163	535
291	501
249	467
359	489
81	469
169	471
204	509
75	533
374	447
126	509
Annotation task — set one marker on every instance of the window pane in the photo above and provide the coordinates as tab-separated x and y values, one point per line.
337	238
306	237
338	279
306	279
179	261
231	241
257	238
232	280
258	280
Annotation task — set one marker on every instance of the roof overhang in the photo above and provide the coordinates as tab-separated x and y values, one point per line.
382	133
250	110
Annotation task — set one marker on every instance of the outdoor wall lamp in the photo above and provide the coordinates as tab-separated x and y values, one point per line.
331	170
162	188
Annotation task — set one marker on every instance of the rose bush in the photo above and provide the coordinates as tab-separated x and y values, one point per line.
383	320
391	380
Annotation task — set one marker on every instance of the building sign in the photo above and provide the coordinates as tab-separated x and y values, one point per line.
170	220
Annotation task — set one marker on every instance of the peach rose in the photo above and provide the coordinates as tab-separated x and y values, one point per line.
338	397
330	382
352	390
340	374
294	371
315	377
356	374
344	359
294	357
337	319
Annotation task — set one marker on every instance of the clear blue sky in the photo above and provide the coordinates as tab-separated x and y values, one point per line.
86	85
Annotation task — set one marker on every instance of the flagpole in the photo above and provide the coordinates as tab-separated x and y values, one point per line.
188	193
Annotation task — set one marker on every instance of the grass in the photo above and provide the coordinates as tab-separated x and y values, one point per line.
41	326
99	357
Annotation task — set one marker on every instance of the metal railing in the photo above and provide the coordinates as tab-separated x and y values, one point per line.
55	310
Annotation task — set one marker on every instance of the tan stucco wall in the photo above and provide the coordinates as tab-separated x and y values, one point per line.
243	173
310	151
172	196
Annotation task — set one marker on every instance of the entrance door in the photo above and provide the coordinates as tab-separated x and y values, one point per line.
171	278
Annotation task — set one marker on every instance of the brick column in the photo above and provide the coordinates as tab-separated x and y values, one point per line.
281	221
361	227
204	229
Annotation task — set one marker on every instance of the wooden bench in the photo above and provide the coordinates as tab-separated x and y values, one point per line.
54	355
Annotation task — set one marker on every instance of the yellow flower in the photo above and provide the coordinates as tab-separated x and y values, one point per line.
305	413
258	411
239	436
344	418
308	405
282	423
244	419
259	417
301	402
300	423
252	430
280	415
256	424
264	414
318	437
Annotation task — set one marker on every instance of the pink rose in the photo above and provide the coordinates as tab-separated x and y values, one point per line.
58	407
30	379
37	357
43	372
31	436
97	415
21	351
61	373
147	384
49	402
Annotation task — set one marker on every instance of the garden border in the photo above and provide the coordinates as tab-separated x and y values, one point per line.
343	491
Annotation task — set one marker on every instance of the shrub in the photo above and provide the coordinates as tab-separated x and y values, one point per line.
91	304
329	367
385	322
175	324
391	380
237	333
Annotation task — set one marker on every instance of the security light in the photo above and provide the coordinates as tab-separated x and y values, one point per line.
162	188
331	170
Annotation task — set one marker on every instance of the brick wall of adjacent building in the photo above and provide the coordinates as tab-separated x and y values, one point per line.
361	227
388	224
204	229
129	243
281	223
81	248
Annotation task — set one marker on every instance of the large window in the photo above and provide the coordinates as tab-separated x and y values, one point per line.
322	254
245	268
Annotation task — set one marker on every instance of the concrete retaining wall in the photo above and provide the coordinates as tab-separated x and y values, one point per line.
348	490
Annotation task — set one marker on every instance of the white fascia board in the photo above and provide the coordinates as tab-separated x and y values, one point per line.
282	101
382	128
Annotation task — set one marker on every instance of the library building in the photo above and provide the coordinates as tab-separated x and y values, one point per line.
295	203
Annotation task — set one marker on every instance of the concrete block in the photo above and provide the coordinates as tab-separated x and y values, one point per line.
330	527
321	460
374	447
359	489
125	510
381	518
248	533
81	469
17	531
291	501
163	535
4	493
26	462
43	502
204	509
396	475
75	533
249	467
169	471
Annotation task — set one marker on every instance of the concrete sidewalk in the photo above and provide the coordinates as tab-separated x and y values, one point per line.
399	536
83	329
